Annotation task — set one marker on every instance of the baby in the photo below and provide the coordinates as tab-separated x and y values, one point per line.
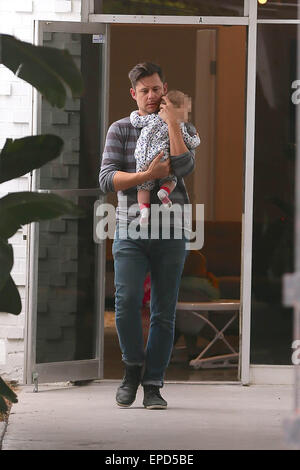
154	138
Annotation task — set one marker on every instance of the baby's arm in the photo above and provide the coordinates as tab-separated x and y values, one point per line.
192	138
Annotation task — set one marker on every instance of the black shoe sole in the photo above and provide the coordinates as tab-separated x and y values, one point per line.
155	407
124	405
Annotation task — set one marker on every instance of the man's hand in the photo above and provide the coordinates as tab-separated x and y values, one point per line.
158	168
168	111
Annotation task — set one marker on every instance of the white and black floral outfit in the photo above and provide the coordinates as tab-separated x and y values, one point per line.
154	138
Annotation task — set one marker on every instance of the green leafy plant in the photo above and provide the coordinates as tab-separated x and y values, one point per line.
51	71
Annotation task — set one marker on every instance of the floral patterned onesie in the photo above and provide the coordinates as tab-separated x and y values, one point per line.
153	139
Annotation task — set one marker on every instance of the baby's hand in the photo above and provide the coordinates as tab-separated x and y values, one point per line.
167	110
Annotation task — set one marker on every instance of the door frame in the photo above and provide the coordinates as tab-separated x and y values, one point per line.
249	19
79	369
103	21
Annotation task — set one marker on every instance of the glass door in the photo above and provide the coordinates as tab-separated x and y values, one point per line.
67	271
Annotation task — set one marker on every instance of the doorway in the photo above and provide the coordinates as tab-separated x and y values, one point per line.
209	64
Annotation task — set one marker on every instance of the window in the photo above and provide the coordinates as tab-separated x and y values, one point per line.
171	7
274	182
278	9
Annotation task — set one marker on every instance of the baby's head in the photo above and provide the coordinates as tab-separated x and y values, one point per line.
182	103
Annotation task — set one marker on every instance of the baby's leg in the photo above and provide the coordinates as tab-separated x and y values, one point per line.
143	197
164	192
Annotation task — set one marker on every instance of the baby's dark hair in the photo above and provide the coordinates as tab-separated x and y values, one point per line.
176	97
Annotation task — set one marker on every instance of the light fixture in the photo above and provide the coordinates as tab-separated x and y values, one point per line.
262	2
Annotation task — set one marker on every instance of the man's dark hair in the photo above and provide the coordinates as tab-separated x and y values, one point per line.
144	69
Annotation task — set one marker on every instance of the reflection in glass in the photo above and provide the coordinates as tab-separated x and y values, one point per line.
66	302
78	123
171	7
280	9
274	169
66	293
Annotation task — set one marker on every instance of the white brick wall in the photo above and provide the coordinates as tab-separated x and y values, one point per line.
16	18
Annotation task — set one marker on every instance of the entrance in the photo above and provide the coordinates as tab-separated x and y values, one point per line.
208	63
71	332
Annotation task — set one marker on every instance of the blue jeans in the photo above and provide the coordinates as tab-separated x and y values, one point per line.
164	258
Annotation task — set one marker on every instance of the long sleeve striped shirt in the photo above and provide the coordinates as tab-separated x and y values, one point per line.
118	155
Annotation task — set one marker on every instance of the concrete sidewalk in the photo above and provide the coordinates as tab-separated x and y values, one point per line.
199	417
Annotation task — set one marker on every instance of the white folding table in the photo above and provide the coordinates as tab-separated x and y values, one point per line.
219	306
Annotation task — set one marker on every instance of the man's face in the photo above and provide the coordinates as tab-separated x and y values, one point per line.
148	93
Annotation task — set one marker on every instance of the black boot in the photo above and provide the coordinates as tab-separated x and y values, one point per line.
153	399
126	392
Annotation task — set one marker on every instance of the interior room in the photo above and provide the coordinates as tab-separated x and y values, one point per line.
208	64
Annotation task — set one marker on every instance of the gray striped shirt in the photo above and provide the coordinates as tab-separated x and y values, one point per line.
118	155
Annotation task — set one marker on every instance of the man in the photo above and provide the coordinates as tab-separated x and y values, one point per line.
133	258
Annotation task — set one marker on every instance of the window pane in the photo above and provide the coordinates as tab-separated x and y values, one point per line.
274	172
278	9
67	309
78	122
171	7
66	296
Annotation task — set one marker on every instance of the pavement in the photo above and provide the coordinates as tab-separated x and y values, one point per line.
199	417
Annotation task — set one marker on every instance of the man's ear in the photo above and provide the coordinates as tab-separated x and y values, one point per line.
165	88
133	93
